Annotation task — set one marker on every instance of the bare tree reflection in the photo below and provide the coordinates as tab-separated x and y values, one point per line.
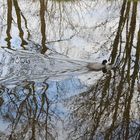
21	32
9	22
110	109
43	7
53	14
27	109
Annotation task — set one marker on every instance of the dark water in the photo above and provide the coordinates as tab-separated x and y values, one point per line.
50	98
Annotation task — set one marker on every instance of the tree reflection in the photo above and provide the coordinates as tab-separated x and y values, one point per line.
9	22
21	32
53	20
110	109
27	109
43	7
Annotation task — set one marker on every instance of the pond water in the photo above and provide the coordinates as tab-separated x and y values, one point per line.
47	91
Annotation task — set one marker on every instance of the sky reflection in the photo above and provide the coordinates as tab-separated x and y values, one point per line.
41	40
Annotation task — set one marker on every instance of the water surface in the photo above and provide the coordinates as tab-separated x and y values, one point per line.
46	91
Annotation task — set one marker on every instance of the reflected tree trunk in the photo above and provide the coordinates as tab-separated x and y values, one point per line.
29	114
107	108
9	22
43	7
19	21
124	14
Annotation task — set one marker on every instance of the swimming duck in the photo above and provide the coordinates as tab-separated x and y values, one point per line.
99	66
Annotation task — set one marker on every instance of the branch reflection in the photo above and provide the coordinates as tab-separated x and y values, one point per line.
9	23
26	109
110	109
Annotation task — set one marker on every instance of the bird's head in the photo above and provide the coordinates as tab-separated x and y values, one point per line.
104	62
